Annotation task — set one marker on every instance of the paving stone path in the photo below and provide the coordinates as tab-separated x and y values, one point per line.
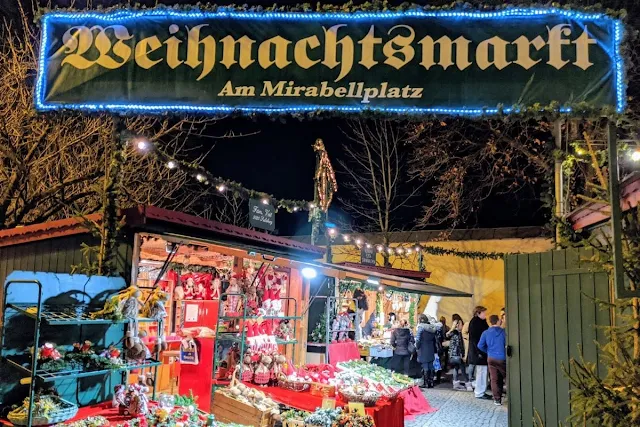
459	409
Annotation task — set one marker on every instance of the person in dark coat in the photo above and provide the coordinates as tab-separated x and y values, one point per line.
477	359
401	340
427	347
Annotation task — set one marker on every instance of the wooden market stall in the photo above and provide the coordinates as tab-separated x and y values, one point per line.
162	249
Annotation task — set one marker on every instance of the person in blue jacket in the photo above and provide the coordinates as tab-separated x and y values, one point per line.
493	342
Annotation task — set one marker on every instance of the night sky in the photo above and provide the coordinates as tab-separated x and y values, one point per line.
279	159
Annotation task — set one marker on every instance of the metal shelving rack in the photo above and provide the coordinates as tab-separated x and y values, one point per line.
240	336
331	311
49	315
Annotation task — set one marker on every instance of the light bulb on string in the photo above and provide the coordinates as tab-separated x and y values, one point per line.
332	232
380	248
200	177
635	155
368	245
358	241
171	164
221	188
409	250
265	201
418	248
295	209
143	145
390	250
346	237
312	205
399	250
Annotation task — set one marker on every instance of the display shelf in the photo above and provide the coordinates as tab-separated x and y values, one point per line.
235	337
260	317
68	315
47	376
58	316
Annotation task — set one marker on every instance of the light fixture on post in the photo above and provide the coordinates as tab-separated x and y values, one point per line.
309	273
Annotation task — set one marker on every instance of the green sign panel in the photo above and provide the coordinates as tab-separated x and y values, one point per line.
418	61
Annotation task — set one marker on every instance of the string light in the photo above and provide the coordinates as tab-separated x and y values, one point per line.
407	249
142	145
265	201
635	155
222	185
332	231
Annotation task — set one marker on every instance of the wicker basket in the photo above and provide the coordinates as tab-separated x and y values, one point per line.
369	400
66	411
323	390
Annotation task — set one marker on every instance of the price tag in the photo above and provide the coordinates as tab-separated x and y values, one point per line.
357	408
328	403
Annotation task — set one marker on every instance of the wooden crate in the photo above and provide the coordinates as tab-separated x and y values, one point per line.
228	410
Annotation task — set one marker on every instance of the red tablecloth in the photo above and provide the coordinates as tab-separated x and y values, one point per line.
386	413
415	403
343	351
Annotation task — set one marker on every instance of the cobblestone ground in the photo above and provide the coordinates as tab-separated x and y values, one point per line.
459	409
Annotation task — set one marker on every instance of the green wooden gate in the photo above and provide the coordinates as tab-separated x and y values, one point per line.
551	317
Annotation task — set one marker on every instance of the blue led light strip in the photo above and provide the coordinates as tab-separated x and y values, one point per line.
221	13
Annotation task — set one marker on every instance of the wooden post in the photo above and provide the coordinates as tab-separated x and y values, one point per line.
558	180
616	213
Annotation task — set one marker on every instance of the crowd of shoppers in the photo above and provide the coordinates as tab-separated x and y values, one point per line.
475	351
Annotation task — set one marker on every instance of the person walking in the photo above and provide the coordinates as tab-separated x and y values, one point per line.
456	353
403	345
427	347
477	359
493	342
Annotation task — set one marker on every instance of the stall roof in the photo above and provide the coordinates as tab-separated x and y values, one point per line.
342	271
409	274
163	221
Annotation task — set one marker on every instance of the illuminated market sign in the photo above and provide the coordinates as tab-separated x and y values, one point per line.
416	61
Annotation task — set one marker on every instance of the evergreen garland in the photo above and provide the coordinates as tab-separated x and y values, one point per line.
412	312
477	255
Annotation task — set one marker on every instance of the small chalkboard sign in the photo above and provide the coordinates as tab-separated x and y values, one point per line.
368	256
261	215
